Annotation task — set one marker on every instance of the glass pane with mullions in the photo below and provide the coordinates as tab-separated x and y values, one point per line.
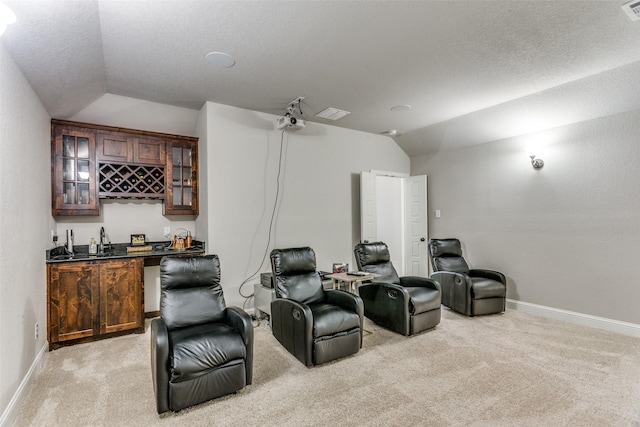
177	156
176	176
83	170
186	200
177	196
186	156
69	170
186	176
69	193
69	146
83	148
83	194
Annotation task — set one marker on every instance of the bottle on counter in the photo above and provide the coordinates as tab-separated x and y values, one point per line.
93	247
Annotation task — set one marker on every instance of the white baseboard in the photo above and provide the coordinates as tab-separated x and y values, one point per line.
11	411
625	328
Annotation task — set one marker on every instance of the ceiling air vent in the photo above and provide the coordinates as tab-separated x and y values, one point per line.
633	9
332	114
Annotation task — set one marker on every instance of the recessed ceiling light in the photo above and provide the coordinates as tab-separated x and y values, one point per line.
401	108
221	59
393	132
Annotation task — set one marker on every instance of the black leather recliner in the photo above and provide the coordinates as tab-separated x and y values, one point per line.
313	324
200	349
467	291
406	305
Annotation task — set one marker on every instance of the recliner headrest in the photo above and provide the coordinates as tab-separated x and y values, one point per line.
372	253
189	272
445	247
293	261
191	293
375	258
295	272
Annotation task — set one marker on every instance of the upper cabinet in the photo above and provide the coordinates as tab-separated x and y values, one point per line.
92	162
182	178
125	148
73	167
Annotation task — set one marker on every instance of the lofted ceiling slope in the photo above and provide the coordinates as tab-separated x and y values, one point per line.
473	71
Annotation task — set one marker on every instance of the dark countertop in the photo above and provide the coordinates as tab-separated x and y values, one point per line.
119	250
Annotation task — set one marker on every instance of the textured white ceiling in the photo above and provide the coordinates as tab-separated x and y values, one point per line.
472	71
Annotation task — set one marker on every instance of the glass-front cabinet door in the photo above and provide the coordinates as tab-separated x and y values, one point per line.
182	191
74	178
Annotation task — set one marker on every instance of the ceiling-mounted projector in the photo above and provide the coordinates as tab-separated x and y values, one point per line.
290	123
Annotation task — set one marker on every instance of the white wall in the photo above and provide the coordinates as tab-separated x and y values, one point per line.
566	235
25	221
319	190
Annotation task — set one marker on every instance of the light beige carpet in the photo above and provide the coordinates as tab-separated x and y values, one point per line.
512	369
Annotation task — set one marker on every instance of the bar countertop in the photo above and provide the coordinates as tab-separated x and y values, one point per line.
119	250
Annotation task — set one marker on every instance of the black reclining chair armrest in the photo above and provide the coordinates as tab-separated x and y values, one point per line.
346	300
292	325
160	364
456	290
488	274
419	281
388	303
240	321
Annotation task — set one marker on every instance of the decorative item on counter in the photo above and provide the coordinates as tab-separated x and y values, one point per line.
138	240
182	240
139	244
93	247
147	248
178	242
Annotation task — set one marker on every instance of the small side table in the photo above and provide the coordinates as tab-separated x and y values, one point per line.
350	280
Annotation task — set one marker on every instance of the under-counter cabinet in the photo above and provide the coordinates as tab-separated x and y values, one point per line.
89	300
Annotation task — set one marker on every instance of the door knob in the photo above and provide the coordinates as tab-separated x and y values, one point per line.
422	239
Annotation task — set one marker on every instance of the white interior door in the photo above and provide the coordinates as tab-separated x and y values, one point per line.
415	230
368	216
390	217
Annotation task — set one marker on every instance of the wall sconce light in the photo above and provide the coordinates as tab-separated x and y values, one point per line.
536	163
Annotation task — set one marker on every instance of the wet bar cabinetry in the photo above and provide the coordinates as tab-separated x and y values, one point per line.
89	300
93	162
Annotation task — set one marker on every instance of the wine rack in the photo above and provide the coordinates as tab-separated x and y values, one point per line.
131	181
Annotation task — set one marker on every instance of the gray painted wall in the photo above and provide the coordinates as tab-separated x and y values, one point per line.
566	235
25	221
